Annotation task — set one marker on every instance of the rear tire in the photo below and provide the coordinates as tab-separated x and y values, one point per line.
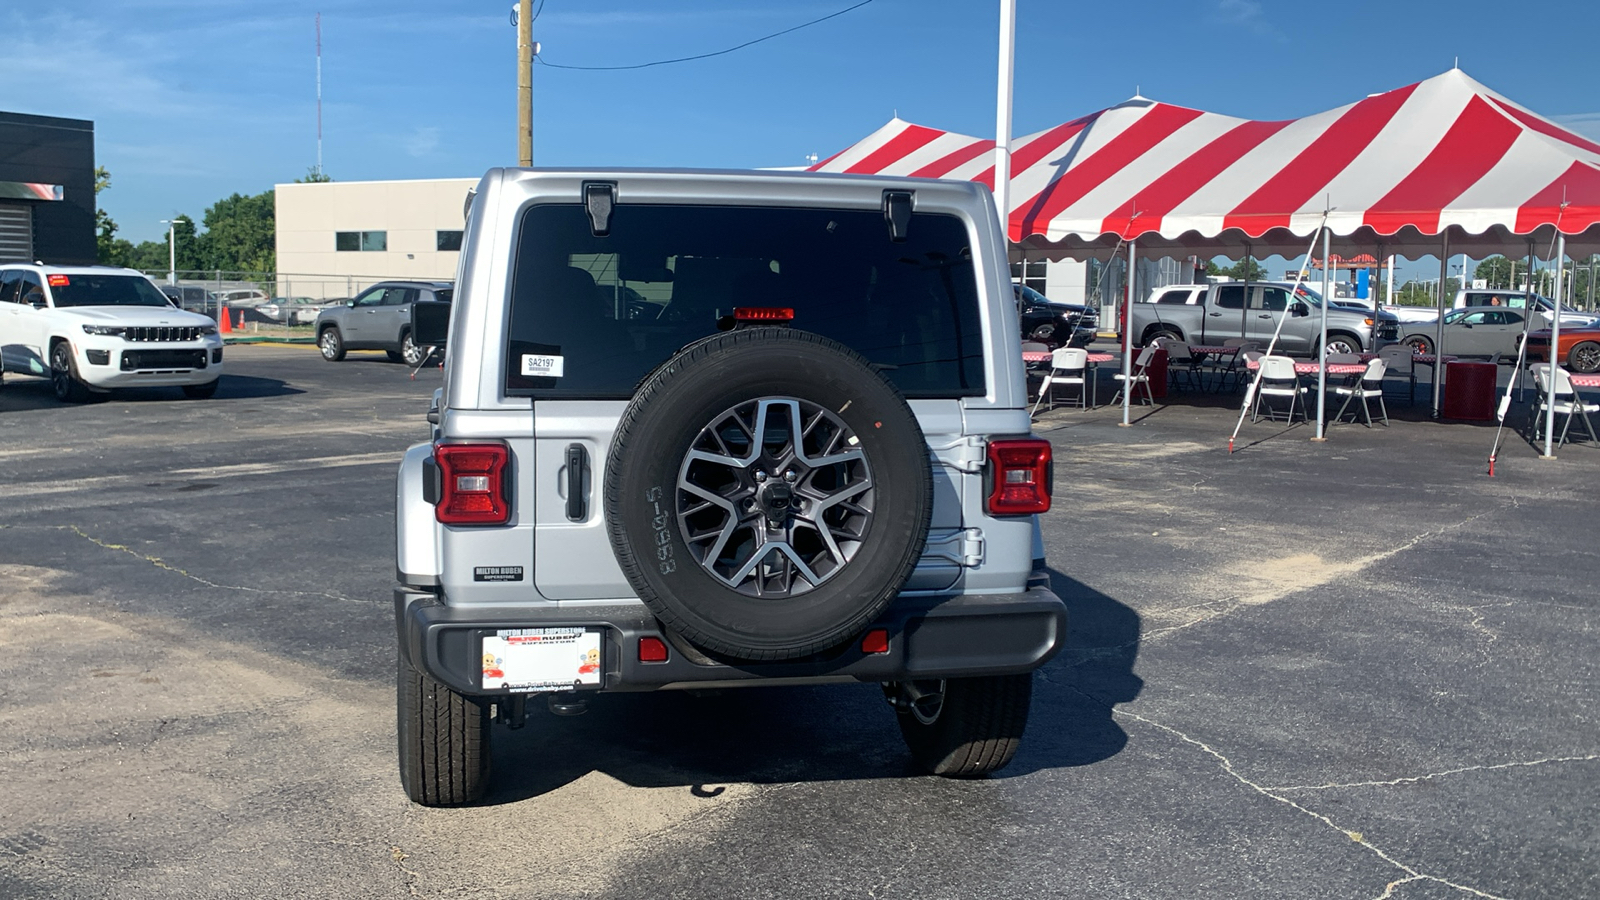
1584	358
974	730
1419	344
410	353
331	344
444	740
1166	333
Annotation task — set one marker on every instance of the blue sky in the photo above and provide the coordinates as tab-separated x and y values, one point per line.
196	99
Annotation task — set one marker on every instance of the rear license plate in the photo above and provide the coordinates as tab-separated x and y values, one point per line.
541	659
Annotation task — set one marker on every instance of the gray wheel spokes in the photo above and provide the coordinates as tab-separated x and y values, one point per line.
774	497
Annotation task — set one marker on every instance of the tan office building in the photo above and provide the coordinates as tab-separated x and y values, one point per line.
337	237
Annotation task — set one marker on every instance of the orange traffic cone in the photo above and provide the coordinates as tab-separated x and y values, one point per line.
223	325
241	320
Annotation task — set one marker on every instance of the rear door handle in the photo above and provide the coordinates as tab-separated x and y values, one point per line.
577	469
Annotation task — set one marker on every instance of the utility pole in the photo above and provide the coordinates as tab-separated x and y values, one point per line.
525	83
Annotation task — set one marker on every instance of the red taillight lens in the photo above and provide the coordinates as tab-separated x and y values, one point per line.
763	314
1020	475
652	650
473	490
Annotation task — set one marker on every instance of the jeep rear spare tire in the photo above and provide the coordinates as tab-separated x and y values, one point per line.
767	493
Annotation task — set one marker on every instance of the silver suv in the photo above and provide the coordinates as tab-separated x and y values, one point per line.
379	318
718	428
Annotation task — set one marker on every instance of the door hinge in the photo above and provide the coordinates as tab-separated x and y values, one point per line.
964	454
964	548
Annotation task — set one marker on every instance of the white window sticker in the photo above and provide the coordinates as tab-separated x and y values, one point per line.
543	366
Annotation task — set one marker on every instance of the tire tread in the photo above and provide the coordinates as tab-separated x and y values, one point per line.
444	741
978	730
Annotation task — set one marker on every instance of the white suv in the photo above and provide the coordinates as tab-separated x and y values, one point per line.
94	328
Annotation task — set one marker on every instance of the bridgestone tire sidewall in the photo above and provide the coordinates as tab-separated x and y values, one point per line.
680	399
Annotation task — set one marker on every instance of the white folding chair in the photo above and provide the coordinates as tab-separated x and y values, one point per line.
1279	379
1140	377
1369	387
1564	400
1068	365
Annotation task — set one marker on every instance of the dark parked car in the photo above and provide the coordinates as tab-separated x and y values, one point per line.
1056	324
190	297
379	318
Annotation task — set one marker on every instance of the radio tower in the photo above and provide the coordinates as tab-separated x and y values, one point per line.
319	95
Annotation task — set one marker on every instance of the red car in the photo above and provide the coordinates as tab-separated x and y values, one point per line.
1579	350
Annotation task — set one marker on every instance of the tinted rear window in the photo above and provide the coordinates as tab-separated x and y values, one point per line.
105	290
615	307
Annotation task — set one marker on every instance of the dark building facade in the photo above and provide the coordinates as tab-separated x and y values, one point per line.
46	189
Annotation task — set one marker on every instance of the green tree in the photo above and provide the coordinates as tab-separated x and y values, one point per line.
1496	270
1246	268
109	249
240	234
314	175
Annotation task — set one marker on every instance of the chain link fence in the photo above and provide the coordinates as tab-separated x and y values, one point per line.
267	306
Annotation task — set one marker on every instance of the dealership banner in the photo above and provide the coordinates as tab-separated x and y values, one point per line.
27	190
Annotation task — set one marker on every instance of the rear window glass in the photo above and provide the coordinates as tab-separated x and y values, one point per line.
105	290
613	308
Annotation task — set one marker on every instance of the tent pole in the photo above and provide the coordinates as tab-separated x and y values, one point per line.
1438	328
1555	348
1002	115
1389	292
1127	335
1244	313
1322	345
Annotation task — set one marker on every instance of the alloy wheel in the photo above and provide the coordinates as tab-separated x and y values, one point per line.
775	497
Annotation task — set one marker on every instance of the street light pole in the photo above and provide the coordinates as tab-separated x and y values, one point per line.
172	248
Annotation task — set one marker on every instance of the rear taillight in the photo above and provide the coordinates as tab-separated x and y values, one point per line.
1019	476
473	484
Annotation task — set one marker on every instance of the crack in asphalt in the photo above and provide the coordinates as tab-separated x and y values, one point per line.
1414	779
160	563
1412	873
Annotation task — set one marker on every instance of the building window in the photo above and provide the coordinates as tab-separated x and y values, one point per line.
361	240
449	240
1030	274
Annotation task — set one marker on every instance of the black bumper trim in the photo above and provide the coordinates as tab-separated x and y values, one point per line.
949	637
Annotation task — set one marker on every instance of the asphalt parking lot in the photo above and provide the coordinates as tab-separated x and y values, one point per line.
1352	669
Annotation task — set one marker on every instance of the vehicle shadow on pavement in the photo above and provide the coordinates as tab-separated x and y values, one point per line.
20	393
1075	693
773	735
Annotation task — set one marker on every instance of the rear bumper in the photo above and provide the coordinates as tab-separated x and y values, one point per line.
941	637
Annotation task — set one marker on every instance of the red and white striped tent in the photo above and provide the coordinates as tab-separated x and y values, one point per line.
1399	169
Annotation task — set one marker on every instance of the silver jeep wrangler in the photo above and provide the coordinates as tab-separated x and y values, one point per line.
701	429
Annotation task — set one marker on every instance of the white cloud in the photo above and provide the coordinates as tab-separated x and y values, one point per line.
422	141
1247	14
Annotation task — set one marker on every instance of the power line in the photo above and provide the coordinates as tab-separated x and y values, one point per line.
664	62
